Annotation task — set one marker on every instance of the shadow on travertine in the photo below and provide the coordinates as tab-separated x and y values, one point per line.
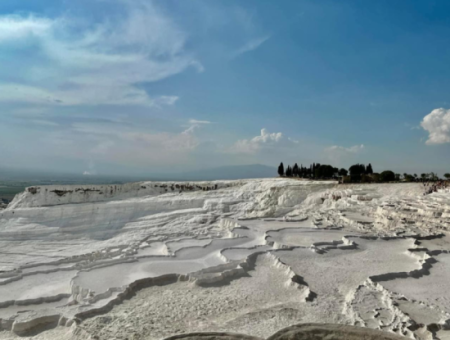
309	331
212	336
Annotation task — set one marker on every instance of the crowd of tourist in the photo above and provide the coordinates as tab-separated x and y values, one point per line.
431	187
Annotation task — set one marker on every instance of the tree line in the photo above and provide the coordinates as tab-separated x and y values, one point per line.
323	171
355	173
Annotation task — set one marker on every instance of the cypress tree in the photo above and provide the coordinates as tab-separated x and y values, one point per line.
295	171
290	171
281	169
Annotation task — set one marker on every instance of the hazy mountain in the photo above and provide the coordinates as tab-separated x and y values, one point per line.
23	178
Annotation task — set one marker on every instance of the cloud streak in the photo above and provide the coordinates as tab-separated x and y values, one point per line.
68	64
352	149
251	46
337	153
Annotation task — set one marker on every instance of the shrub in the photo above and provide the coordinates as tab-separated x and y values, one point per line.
343	172
346	179
366	179
387	176
408	178
376	178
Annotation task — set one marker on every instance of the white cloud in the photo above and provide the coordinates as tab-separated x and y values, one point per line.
44	122
74	65
103	147
200	68
158	142
337	154
96	129
198	122
17	93
352	149
437	124
112	143
263	141
251	45
194	124
113	140
16	27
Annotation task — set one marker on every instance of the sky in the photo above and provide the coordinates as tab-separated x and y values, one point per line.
132	87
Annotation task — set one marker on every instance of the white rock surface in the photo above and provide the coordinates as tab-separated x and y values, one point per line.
149	260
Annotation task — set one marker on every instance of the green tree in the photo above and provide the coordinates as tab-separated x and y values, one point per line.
447	175
432	176
335	172
376	177
387	176
409	178
369	169
343	172
356	171
324	171
316	166
397	177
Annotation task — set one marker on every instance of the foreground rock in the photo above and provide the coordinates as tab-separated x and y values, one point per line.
301	332
330	331
212	336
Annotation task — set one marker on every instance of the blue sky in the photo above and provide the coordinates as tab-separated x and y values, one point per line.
138	86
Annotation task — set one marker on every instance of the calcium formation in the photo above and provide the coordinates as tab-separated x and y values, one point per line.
151	260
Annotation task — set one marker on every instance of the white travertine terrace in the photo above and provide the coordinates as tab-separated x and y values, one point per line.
153	259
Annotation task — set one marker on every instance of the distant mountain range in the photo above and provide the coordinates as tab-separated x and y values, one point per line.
24	178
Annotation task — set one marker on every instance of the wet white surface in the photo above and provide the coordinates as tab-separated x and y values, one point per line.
360	259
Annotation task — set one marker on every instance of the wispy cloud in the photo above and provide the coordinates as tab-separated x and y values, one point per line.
413	127
70	64
78	86
251	45
199	122
136	146
338	154
195	124
263	141
43	122
351	149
